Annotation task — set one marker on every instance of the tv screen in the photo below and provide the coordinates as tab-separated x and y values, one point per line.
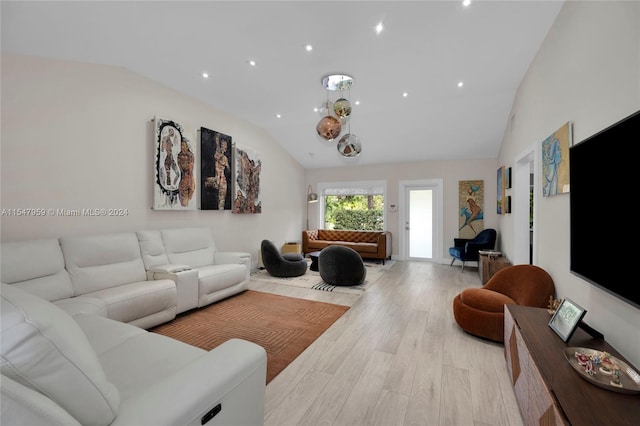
604	231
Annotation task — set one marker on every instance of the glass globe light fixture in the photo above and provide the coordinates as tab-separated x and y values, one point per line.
329	128
342	108
349	145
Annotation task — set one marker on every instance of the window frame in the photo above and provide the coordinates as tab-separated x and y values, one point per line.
370	185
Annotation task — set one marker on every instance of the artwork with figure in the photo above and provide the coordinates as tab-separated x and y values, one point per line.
247	181
471	202
215	170
175	182
555	162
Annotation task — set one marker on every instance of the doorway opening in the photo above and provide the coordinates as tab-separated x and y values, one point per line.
524	207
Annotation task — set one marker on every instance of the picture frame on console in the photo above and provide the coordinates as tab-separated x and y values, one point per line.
566	319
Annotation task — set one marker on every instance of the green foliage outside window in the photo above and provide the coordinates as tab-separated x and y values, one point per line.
358	212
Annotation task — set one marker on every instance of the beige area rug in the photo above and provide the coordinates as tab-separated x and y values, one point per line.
312	280
283	326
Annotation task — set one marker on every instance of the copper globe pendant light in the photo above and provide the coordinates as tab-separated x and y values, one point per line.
329	127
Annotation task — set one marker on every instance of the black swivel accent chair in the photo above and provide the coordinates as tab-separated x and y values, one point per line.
281	265
466	250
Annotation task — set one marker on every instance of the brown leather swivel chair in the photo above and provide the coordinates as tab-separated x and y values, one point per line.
480	311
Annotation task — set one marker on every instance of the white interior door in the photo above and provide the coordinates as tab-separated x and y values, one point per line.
421	220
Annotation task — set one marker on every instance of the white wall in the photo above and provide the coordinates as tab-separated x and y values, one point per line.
78	135
587	72
451	172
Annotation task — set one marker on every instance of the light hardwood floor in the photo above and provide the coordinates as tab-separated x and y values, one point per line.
396	357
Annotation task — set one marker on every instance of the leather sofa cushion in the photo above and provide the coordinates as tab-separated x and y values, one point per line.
36	266
156	356
485	300
44	349
103	261
152	248
218	277
189	246
348	235
129	302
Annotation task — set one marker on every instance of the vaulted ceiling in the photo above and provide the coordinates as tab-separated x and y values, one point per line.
425	49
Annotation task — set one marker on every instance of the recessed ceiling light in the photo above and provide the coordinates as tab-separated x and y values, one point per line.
357	102
315	109
405	94
252	63
460	84
466	3
205	75
308	48
379	27
278	115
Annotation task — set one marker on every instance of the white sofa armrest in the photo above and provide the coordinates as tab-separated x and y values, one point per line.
232	375
186	284
225	257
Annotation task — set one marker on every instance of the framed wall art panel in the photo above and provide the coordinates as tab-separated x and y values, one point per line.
247	168
216	182
500	200
174	167
471	203
555	162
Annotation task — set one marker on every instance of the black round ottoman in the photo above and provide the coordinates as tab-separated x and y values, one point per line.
340	265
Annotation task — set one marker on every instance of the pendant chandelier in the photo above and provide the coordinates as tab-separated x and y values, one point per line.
337	114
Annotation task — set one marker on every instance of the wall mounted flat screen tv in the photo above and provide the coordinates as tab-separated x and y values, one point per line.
605	232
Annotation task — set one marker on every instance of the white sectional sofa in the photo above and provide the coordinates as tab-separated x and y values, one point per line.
74	348
85	369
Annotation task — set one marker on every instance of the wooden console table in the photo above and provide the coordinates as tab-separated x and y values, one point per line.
548	390
489	265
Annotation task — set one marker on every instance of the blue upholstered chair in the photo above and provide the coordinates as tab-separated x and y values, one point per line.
466	250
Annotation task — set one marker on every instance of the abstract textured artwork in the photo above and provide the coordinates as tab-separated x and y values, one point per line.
174	168
215	170
247	181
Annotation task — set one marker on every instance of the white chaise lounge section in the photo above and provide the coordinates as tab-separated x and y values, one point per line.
220	274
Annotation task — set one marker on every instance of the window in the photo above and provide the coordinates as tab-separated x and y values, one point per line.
352	205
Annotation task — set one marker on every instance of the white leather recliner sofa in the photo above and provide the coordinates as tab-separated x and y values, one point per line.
85	369
169	253
101	274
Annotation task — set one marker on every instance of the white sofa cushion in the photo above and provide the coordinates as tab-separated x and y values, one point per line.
36	266
44	349
156	355
103	261
189	246
26	407
217	277
152	249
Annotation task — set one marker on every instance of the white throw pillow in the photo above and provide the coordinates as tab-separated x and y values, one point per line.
44	349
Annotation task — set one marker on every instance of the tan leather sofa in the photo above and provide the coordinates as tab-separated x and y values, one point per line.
369	244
